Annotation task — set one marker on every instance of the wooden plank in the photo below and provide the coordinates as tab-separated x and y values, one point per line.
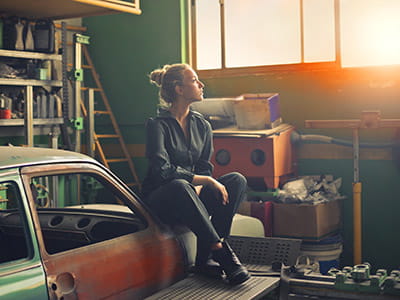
29	55
323	124
389	123
64	9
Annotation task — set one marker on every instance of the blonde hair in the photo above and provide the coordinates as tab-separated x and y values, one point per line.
167	78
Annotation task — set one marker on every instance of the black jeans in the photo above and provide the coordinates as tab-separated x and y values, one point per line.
177	203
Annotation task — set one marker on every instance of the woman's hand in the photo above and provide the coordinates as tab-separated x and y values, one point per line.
217	187
220	191
198	189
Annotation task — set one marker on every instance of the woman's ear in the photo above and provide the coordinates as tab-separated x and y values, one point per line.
179	89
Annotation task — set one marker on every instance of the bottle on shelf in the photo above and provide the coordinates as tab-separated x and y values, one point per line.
19	42
5	107
29	43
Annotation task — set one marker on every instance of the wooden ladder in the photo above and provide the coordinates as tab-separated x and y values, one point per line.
115	135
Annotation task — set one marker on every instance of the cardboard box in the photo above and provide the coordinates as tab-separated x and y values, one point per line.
273	106
306	221
257	111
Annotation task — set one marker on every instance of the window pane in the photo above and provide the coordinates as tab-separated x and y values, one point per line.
71	190
79	210
13	231
260	32
370	32
208	34
319	30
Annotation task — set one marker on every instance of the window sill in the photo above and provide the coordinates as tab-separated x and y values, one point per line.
332	67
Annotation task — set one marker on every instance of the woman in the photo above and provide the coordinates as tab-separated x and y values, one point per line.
178	186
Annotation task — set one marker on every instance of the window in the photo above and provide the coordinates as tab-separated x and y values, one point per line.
370	32
71	190
77	210
13	227
259	32
254	33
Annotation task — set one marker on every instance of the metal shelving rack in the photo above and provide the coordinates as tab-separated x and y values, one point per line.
29	122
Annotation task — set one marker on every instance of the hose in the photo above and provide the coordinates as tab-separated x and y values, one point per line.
298	138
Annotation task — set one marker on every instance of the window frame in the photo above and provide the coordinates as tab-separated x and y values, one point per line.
107	179
262	69
26	227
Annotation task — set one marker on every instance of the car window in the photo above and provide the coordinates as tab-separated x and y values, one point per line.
71	190
78	210
13	232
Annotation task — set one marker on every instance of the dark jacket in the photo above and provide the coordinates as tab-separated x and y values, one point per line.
170	155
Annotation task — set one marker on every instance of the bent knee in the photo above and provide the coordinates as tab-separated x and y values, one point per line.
238	178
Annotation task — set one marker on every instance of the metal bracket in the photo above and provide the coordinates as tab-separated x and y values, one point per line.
75	75
82	39
77	123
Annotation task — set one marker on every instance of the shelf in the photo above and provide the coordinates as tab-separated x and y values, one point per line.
65	9
32	82
30	55
21	122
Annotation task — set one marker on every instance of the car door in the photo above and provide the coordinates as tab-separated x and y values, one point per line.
96	239
21	272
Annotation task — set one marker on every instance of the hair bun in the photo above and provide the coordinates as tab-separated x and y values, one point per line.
156	76
167	78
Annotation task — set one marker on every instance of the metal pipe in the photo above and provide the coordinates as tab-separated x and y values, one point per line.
357	220
356	155
296	137
29	116
77	92
90	123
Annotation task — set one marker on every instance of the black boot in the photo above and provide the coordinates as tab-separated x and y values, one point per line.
204	264
235	272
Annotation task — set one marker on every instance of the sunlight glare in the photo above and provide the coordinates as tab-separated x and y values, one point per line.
370	32
385	48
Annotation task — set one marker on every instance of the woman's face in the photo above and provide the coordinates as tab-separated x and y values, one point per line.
192	89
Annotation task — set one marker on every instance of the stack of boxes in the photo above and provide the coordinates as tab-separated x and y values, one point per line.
259	146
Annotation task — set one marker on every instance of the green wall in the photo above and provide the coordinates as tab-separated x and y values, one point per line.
125	48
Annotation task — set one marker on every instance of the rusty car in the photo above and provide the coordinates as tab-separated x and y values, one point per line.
71	229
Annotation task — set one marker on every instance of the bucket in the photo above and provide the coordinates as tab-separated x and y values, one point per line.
326	252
